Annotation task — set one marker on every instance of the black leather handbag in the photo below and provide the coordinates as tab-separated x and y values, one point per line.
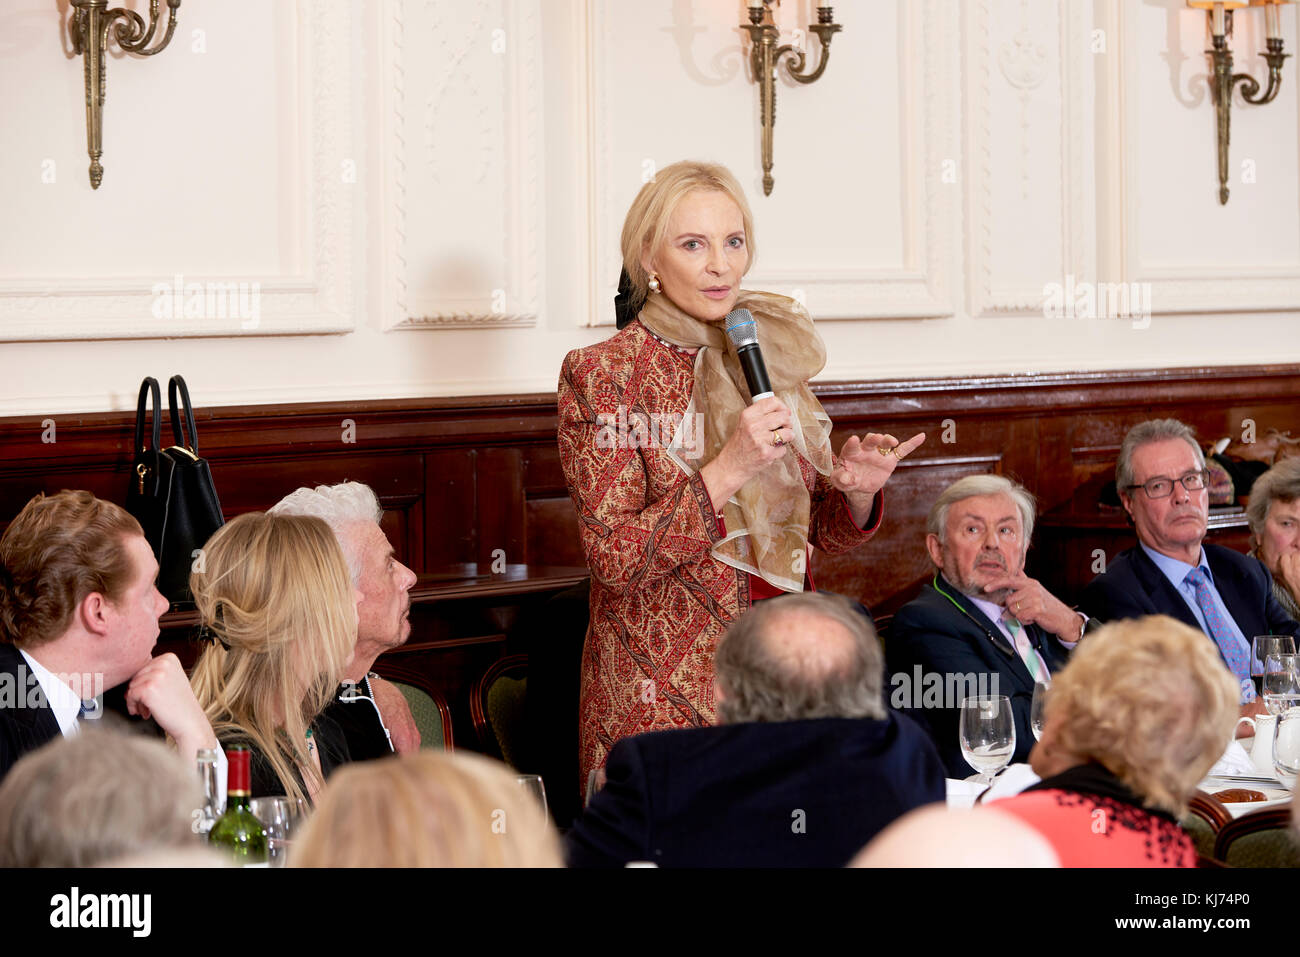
171	493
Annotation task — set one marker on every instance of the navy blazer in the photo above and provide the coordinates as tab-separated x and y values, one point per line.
782	794
932	635
1133	586
26	720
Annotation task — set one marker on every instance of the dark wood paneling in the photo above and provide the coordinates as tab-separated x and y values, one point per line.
552	532
462	477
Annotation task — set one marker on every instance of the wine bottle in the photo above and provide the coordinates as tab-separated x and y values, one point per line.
237	830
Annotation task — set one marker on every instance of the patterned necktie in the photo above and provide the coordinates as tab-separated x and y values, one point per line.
1236	656
1026	650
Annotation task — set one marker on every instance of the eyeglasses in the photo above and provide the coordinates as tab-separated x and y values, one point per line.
1163	487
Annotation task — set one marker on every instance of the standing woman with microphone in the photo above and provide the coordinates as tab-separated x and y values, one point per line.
694	500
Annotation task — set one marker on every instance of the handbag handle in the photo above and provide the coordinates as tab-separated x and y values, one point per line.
148	389
189	414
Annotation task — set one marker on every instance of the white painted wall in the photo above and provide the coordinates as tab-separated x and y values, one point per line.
428	195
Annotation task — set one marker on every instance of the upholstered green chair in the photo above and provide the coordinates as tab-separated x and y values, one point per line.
497	705
432	715
1205	817
1259	839
428	705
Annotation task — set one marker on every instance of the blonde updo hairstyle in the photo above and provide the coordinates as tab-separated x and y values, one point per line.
275	592
646	224
1150	699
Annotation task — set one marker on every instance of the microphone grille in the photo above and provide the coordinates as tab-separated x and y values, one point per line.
741	329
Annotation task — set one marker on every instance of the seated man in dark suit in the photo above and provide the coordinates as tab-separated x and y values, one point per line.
78	616
806	765
982	626
1161	479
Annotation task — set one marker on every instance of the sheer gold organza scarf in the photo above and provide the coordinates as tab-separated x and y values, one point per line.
767	520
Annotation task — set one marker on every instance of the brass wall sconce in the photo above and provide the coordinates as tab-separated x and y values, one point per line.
90	25
765	55
1224	80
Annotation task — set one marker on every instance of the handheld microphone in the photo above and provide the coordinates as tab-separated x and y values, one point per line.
744	336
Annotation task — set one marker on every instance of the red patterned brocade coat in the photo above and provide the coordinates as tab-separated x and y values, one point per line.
659	600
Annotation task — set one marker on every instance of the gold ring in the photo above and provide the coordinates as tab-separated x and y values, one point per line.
776	437
882	450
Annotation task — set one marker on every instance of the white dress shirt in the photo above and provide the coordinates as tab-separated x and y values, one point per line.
66	706
64	702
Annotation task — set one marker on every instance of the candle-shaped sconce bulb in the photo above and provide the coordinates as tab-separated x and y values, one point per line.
1273	29
1217	20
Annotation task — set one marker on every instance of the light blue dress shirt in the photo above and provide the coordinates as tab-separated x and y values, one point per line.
1177	571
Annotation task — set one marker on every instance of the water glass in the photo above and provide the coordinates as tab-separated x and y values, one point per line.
532	783
280	816
988	734
1281	682
1261	646
1038	709
595	781
1286	747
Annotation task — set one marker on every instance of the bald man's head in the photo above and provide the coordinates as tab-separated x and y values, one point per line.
809	644
799	657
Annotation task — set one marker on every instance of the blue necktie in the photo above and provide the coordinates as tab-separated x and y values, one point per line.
1238	658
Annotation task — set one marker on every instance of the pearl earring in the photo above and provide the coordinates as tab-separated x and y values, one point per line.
654	285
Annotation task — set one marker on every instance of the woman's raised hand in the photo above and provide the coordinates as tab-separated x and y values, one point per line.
760	438
865	465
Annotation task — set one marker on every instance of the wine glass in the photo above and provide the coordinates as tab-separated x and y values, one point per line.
1281	682
1286	747
532	783
280	816
988	734
1261	646
1038	708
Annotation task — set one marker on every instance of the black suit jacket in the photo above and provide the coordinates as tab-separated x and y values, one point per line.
932	635
1133	586
784	794
26	721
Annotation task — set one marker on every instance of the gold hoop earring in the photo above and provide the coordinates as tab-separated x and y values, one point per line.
654	285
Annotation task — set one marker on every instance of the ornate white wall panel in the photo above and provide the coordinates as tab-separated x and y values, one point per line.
464	187
860	217
1169	229
227	207
1027	115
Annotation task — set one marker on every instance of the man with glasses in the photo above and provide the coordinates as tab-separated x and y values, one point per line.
1162	482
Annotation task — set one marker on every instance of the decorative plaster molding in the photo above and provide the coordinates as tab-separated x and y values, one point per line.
922	287
321	301
1195	287
1023	63
991	294
518	114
